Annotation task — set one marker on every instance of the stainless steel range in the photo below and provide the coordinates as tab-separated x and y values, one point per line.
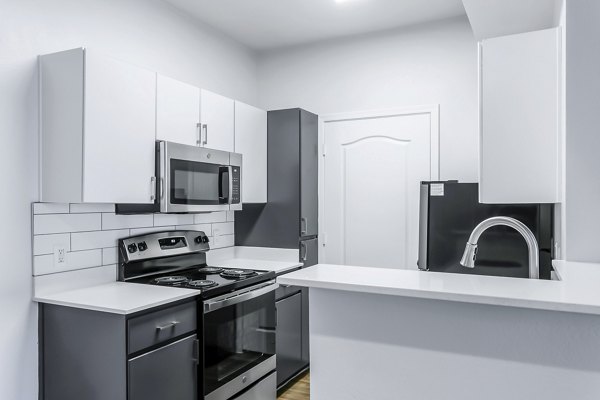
237	323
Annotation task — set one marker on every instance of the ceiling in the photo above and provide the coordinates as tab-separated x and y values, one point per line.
268	24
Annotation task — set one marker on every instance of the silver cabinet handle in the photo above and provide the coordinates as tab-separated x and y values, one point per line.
303	221
205	129
170	325
152	188
199	134
303	258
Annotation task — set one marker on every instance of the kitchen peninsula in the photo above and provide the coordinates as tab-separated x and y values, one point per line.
390	334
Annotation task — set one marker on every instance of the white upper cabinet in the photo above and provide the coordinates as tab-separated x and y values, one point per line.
177	111
520	118
251	142
97	129
217	117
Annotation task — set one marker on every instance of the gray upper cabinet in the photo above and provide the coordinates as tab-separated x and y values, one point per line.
309	174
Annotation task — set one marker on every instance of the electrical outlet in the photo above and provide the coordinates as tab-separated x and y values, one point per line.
60	256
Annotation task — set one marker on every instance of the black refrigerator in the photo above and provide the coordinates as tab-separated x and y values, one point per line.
288	220
449	211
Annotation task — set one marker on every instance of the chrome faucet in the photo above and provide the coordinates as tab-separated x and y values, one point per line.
470	254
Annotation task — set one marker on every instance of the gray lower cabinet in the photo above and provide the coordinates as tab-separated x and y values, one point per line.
289	337
93	355
170	372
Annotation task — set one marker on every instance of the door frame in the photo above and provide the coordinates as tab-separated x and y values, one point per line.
434	116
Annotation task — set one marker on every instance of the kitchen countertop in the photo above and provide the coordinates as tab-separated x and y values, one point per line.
577	291
117	297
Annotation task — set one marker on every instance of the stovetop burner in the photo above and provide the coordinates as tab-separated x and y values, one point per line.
200	284
237	273
170	280
210	270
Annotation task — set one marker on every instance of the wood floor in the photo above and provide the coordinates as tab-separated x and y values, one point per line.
300	390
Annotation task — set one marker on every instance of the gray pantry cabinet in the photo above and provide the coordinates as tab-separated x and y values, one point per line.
288	220
97	355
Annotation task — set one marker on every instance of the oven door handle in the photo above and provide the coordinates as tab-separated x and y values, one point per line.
210	306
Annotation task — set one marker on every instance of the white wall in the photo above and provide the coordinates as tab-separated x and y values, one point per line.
145	32
582	175
429	64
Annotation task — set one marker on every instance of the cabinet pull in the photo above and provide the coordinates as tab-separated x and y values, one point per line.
303	221
152	188
170	325
303	258
199	134
196	355
205	128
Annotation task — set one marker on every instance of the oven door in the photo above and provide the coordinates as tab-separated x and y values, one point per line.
239	340
193	179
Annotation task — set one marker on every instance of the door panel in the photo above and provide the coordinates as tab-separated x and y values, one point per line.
119	131
373	168
177	111
167	373
309	172
217	114
289	337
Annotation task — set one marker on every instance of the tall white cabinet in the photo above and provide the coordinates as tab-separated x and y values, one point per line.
520	118
251	142
97	129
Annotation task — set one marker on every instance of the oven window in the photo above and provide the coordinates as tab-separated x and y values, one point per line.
198	183
237	338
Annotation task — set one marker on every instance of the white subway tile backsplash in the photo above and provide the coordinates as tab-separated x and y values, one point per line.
225	228
113	221
143	231
173	219
64	223
45	244
92	208
207	218
43	265
110	256
222	241
89	233
206	228
50	208
97	239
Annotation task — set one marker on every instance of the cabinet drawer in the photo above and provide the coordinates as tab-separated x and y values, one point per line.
285	291
150	329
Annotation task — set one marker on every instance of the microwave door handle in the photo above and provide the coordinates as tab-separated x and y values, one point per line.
230	183
214	305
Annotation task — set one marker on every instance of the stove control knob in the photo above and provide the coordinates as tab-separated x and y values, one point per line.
132	248
142	246
198	239
205	239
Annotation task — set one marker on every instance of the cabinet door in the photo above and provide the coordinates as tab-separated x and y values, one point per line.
520	118
169	372
309	164
309	252
119	131
289	337
217	115
177	111
251	142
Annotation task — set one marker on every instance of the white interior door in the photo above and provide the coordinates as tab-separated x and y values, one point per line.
372	170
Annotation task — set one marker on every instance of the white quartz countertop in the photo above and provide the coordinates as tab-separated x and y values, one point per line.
117	297
266	265
577	291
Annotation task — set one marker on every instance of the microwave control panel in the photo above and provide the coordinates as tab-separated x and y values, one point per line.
236	173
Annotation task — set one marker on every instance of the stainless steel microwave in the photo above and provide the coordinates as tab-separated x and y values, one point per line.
196	179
